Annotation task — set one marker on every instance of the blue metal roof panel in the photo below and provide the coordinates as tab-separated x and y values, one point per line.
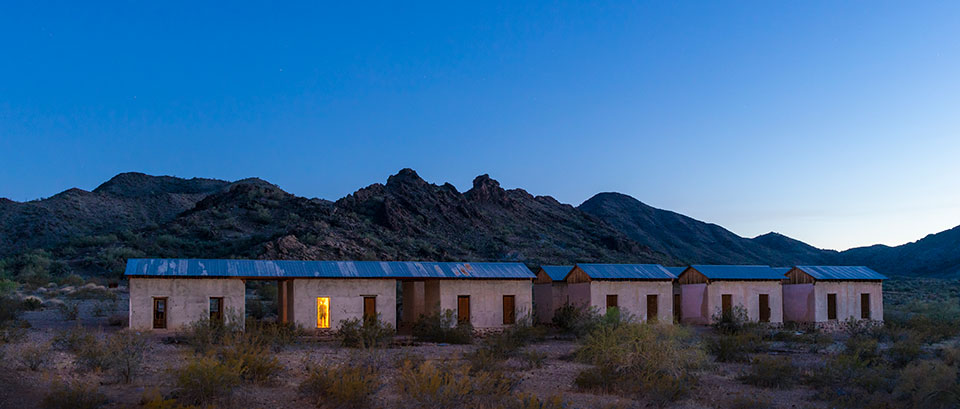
732	272
557	273
782	270
842	273
323	269
626	271
675	270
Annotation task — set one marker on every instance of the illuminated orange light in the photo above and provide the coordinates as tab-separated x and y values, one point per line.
323	312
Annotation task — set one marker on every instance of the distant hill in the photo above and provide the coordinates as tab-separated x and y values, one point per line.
407	218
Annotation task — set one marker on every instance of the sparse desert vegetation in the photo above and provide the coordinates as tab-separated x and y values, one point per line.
585	360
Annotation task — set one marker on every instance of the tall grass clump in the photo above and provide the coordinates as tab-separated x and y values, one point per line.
655	361
430	386
444	328
76	395
771	372
206	381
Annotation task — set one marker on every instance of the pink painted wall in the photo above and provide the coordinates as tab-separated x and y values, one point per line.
693	301
798	302
543	302
579	294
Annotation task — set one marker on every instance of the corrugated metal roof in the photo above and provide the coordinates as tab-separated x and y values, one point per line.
626	271
323	269
728	272
842	273
675	270
557	273
782	270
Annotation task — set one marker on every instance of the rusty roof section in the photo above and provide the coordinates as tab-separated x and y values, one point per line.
324	269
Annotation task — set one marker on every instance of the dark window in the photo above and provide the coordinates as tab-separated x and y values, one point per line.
369	308
509	310
160	313
216	309
677	308
726	305
831	306
611	301
764	308
865	306
463	308
652	310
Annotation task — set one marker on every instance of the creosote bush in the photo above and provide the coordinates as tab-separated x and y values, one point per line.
346	386
577	320
443	328
77	395
430	386
770	372
655	361
365	333
34	356
206	381
735	347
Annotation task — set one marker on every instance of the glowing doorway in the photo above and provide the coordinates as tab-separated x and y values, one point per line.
323	312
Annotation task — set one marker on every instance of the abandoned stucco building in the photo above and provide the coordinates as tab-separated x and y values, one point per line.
550	291
642	290
171	293
820	294
708	290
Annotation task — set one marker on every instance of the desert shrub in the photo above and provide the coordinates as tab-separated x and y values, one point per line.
733	322
656	361
206	381
429	386
444	328
928	321
733	347
904	351
534	359
153	399
93	293
857	328
10	310
77	395
928	384
118	320
69	310
950	355
125	349
73	339
365	333
252	359
32	303
578	320
525	401
34	356
749	401
275	335
862	349
499	347
204	335
92	356
484	359
72	279
770	372
346	386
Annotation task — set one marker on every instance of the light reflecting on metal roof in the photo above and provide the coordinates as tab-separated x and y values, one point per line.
842	273
323	269
626	271
734	272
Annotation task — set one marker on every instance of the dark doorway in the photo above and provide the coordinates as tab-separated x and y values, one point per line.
369	308
726	305
509	310
764	308
216	309
831	306
463	308
611	301
865	306
652	308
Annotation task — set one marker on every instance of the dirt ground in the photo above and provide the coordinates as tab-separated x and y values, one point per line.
23	388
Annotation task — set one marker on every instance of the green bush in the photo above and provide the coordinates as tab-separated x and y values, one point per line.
904	351
928	384
347	386
577	320
428	386
73	339
770	372
732	322
275	335
443	328
366	333
32	303
206	381
253	360
34	356
733	347
656	361
76	395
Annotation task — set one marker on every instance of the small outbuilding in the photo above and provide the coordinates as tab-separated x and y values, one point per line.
642	290
711	290
171	293
824	294
550	291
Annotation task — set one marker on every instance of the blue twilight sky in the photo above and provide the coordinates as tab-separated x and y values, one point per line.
837	123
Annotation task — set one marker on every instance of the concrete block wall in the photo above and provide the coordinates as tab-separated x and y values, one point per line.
188	300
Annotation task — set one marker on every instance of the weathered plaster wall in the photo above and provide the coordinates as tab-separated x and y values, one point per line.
579	294
693	297
547	298
632	297
798	302
486	299
346	299
188	299
747	294
848	299
413	301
